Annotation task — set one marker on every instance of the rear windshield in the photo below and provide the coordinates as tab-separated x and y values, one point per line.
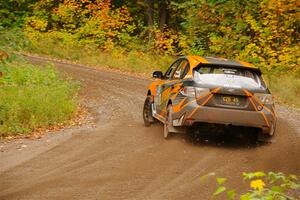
226	76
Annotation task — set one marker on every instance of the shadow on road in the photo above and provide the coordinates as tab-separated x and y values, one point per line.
222	136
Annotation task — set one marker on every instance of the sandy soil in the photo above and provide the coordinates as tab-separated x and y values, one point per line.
122	159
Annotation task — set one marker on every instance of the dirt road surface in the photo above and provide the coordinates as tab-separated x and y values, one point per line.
122	159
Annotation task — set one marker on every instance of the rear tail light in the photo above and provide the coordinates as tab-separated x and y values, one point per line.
194	92
264	98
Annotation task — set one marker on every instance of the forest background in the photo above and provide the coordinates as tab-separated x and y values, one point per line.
146	35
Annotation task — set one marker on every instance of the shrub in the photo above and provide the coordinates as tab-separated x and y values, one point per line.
33	97
90	22
263	186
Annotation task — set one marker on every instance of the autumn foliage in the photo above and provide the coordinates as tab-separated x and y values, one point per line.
90	22
262	32
265	33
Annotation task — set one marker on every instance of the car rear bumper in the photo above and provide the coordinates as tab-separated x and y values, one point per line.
193	113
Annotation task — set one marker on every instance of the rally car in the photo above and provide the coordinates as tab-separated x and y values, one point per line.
211	90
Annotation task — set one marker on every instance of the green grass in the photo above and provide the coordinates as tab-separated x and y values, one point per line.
286	88
33	97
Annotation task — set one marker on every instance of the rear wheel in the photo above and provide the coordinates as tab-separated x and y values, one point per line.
147	112
168	125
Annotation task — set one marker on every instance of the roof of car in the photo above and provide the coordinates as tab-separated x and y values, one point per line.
196	60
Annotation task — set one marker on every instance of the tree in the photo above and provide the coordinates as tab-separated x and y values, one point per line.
12	12
163	13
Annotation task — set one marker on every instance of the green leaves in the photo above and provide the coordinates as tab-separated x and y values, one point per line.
221	180
220	190
262	186
231	194
277	189
249	176
12	12
204	177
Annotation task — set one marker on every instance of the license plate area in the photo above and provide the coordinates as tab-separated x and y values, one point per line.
230	100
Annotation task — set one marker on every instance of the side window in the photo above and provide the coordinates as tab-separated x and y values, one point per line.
186	69
169	73
205	70
182	69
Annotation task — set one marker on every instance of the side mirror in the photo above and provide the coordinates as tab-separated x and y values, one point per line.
158	74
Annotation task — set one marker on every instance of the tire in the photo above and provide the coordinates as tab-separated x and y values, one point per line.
147	112
169	122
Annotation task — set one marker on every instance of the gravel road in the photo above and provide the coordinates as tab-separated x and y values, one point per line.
122	159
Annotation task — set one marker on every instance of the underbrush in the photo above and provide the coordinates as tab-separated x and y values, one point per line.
65	46
33	97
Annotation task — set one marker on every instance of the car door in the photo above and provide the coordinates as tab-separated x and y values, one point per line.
172	84
163	89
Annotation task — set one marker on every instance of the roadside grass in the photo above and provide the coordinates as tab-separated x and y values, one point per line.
117	58
286	88
33	97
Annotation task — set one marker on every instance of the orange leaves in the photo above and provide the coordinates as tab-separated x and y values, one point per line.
90	6
3	56
167	42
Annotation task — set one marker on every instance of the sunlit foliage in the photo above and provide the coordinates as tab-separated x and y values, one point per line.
265	33
90	22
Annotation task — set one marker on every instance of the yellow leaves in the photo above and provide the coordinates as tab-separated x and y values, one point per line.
272	33
36	23
257	184
253	24
108	45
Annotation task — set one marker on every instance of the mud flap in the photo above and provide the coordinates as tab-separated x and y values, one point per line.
267	136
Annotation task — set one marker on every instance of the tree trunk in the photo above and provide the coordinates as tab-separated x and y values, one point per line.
163	14
149	11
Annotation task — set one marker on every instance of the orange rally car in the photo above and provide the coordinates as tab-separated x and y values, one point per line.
196	90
